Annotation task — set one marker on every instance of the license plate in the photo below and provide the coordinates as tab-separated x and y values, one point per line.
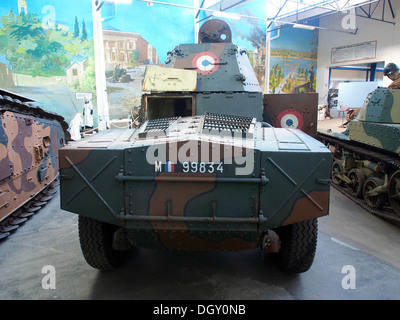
190	167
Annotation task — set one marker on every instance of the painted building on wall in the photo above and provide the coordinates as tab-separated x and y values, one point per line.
38	46
127	48
22	7
59	25
76	70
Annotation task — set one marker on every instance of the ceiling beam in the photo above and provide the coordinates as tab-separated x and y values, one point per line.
225	5
326	8
371	12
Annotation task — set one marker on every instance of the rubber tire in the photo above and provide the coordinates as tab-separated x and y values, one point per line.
95	238
298	246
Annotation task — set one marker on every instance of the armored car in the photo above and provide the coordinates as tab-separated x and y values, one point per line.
202	171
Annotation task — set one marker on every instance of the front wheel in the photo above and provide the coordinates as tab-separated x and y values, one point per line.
298	246
96	239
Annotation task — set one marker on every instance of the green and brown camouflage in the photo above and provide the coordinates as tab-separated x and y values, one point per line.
378	121
202	172
115	177
30	138
366	158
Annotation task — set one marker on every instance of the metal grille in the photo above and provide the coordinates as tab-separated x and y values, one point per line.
222	122
157	126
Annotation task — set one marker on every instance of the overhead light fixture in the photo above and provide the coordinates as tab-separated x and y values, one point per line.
221	14
100	4
121	1
303	26
227	15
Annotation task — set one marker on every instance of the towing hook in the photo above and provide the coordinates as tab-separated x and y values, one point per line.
271	242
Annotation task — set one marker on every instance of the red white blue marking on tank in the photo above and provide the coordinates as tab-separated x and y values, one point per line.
205	62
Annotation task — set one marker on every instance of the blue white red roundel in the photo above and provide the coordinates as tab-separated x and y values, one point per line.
290	119
205	62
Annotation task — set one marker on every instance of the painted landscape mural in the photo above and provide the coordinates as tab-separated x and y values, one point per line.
46	53
47	50
135	36
293	61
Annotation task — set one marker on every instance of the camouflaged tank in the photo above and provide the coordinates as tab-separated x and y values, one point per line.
202	172
366	163
30	138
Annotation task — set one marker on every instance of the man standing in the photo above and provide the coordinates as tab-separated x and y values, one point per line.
88	114
392	72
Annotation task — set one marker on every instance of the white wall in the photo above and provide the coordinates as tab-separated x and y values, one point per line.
352	75
347	98
387	36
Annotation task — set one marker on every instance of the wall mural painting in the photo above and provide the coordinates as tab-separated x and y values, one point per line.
293	61
292	51
46	52
135	36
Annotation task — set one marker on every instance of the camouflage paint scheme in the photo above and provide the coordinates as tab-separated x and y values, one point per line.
378	122
207	174
108	178
366	155
28	154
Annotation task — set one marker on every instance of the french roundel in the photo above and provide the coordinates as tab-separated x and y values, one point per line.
290	119
205	62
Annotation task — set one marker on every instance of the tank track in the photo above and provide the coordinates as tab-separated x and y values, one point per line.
8	103
12	103
26	211
390	164
386	213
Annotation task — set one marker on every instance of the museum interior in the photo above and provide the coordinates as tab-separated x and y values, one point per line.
179	151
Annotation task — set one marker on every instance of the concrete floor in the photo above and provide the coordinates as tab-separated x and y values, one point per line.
348	236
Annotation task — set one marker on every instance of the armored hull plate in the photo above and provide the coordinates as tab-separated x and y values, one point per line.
297	111
30	138
203	182
29	158
379	135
